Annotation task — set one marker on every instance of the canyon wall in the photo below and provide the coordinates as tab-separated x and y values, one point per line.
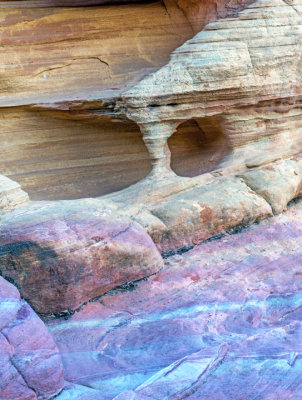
132	132
78	60
207	142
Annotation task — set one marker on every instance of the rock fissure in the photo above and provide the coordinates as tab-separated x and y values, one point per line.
71	62
204	376
67	314
22	376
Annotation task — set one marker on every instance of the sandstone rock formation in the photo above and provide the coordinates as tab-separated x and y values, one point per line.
240	77
221	322
146	290
278	183
30	363
188	218
236	84
74	63
62	254
244	73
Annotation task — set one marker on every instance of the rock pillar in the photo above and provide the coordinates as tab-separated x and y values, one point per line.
155	136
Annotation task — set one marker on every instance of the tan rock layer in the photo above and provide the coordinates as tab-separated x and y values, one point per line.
244	71
52	53
57	158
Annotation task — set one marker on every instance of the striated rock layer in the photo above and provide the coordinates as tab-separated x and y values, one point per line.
30	363
71	53
209	143
243	73
221	322
240	81
78	60
62	254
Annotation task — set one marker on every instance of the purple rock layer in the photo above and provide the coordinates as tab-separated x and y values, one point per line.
30	363
221	322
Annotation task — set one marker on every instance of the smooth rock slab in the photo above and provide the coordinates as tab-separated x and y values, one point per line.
63	254
30	363
221	322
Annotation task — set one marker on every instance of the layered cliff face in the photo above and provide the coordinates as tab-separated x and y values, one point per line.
242	74
227	105
132	131
78	60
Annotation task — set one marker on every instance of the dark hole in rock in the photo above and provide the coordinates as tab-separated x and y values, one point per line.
58	158
198	146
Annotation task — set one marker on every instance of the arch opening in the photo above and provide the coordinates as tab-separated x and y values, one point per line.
197	146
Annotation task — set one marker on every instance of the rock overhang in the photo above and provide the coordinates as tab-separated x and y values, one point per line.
229	62
256	112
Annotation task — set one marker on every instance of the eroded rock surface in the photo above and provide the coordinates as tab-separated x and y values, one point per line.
87	53
278	183
243	72
238	80
221	322
62	254
30	363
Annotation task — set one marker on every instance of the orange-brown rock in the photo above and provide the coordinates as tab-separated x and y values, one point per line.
79	59
199	13
186	117
50	53
54	157
220	105
58	53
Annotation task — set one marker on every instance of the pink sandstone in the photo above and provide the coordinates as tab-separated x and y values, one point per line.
62	254
30	363
221	322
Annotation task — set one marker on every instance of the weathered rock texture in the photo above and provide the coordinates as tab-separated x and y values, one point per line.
55	156
242	73
209	142
278	183
51	53
78	60
63	254
30	363
233	91
221	322
183	219
188	218
240	81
